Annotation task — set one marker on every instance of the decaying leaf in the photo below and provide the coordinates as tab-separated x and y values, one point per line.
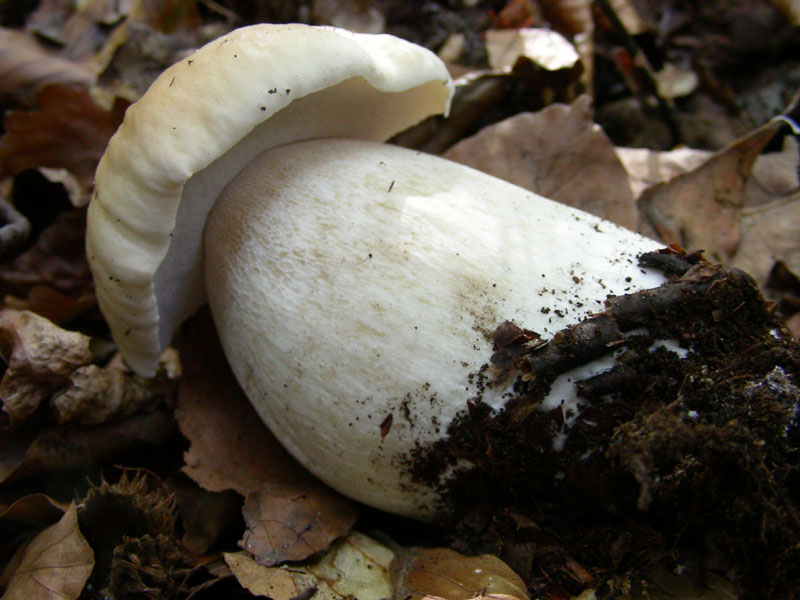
287	523
34	508
57	260
447	574
559	153
56	564
68	130
96	395
232	449
272	582
70	446
40	356
770	233
354	567
205	515
26	68
701	210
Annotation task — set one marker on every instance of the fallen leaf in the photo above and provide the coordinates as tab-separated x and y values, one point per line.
26	68
546	48
559	153
56	564
57	260
96	395
701	210
40	356
52	304
205	516
272	582
68	130
353	15
442	572
773	175
290	523
34	508
232	449
24	453
770	234
354	567
650	167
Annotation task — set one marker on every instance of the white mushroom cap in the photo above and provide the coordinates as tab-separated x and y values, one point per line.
203	120
368	284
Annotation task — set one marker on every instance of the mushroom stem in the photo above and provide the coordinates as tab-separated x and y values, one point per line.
356	284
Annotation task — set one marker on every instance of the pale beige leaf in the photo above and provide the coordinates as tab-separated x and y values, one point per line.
272	582
447	574
40	357
544	47
357	566
56	564
559	153
354	567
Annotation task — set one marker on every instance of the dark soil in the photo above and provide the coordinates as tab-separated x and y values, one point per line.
668	456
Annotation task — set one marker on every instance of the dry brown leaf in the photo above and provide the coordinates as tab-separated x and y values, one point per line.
34	508
232	449
24	453
559	153
40	356
57	260
701	210
205	515
272	582
56	564
770	233
52	305
774	174
447	574
354	567
290	522
26	68
68	130
96	395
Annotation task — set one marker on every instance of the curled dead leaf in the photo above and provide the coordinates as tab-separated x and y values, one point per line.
96	395
57	563
287	523
447	574
354	567
40	356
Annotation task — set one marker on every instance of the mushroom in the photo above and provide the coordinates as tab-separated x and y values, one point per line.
355	285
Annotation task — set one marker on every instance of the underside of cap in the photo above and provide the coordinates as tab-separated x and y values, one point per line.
200	123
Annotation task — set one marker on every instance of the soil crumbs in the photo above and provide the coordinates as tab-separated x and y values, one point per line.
670	461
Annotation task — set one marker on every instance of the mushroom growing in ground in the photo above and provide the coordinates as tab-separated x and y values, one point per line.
357	287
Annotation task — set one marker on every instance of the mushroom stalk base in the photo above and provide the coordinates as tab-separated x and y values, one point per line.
356	289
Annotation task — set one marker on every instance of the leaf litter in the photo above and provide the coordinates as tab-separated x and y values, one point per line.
237	479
